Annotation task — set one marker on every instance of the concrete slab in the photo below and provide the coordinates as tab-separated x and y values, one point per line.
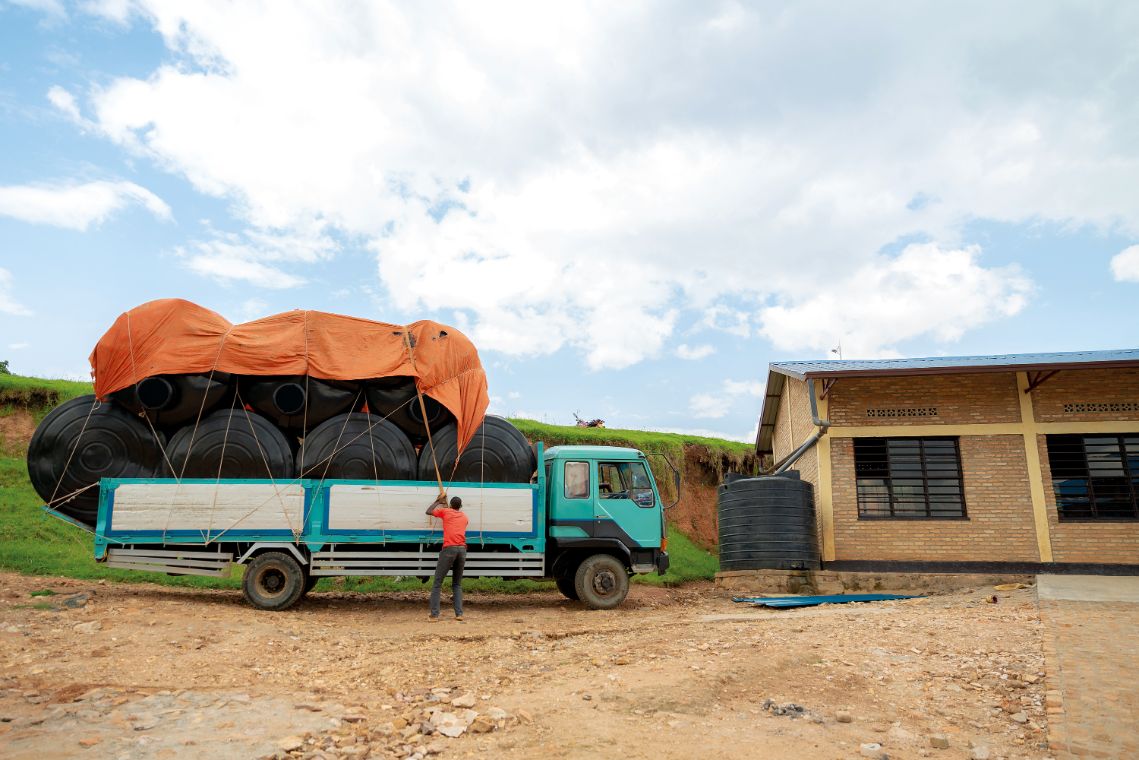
1089	588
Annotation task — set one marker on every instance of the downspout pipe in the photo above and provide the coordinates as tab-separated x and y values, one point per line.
822	426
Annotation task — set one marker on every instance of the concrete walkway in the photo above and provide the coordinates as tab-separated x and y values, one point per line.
1091	651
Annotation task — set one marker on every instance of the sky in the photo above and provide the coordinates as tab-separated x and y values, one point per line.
631	208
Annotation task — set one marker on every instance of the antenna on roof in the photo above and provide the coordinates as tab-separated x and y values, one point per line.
837	350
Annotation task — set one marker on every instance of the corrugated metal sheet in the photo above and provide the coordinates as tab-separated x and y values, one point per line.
935	364
811	601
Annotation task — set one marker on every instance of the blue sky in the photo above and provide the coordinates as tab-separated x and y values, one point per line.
630	209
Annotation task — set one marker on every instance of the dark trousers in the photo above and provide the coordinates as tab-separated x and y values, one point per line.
453	559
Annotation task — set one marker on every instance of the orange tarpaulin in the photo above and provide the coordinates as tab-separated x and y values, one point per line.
173	336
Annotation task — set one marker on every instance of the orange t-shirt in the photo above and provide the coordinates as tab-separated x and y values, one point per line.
454	526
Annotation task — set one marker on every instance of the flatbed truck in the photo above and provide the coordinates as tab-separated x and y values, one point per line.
590	518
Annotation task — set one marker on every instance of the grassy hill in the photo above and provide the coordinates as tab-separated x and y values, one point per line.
33	542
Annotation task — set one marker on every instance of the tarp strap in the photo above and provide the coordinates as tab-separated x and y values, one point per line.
423	408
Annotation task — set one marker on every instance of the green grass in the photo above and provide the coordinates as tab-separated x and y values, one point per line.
37	395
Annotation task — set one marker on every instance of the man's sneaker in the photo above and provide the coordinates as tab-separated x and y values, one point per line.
458	618
433	618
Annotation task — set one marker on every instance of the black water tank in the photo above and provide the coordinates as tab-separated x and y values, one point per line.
498	453
357	446
81	441
768	523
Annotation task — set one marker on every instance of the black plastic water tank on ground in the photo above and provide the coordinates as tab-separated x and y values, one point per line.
394	399
768	523
357	446
498	453
298	403
170	400
231	443
81	441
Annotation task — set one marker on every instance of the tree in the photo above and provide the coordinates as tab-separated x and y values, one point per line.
4	367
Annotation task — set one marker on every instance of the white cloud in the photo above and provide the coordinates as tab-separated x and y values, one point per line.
8	304
1125	265
52	8
118	11
692	353
256	257
718	404
603	173
76	206
18	346
923	291
65	102
743	388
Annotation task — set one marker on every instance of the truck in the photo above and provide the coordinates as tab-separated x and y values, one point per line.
589	519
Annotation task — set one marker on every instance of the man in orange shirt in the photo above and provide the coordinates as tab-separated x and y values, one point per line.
453	557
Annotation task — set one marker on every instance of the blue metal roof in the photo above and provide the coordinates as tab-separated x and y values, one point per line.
937	364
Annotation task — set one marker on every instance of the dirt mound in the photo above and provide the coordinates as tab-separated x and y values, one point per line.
16	430
695	514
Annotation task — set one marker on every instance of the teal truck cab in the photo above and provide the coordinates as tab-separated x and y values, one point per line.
590	518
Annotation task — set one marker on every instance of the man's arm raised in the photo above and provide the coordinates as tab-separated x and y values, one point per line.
440	501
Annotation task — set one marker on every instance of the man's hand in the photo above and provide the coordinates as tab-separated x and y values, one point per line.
440	501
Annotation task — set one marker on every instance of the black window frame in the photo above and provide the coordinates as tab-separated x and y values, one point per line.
1069	464
872	469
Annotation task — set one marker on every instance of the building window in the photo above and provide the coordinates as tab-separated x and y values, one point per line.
908	479
1095	477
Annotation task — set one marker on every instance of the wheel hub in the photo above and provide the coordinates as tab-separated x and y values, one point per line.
272	581
604	582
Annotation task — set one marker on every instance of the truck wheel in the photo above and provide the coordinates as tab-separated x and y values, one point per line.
601	582
310	582
273	581
566	583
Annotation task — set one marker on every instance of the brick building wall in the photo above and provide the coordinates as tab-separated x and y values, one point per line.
1001	525
998	503
958	399
1088	395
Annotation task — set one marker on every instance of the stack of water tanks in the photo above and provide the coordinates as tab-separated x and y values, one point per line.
217	425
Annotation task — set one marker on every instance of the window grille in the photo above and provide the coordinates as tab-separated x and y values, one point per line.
1095	477
908	478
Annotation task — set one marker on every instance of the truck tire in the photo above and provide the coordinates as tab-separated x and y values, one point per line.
273	581
601	582
310	582
567	583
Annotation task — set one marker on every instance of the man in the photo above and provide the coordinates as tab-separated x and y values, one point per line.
454	554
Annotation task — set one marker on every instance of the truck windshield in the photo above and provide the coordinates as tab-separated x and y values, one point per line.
625	480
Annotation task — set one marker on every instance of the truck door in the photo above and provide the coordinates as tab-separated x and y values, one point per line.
626	505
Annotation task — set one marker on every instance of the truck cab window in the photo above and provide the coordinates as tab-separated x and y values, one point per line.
625	480
577	480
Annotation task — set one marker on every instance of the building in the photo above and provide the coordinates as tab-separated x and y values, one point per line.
1020	463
